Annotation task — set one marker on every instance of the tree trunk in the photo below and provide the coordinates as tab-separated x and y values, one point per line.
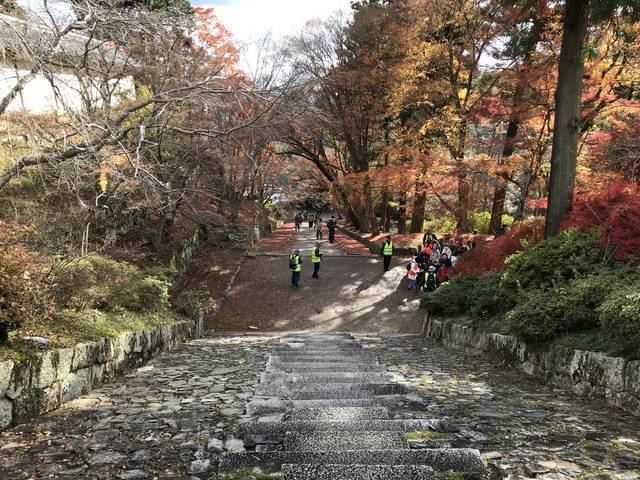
369	212
402	220
497	207
348	209
462	210
385	219
417	216
500	192
567	116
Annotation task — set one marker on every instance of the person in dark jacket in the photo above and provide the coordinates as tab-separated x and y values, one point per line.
331	226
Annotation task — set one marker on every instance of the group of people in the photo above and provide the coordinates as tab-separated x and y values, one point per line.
426	271
315	221
430	267
295	265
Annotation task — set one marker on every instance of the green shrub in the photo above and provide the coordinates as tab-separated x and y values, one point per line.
507	220
105	284
489	298
439	225
481	221
619	313
480	297
570	307
553	261
451	298
192	303
148	294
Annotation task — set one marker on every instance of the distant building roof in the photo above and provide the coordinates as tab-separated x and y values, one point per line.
21	38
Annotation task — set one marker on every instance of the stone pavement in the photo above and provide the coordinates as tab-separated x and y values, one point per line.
176	417
523	429
324	410
165	420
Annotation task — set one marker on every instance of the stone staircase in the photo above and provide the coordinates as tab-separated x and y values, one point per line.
326	409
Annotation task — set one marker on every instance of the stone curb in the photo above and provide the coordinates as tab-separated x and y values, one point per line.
586	374
373	247
43	383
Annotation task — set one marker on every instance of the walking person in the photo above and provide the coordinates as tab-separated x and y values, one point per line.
387	252
412	273
312	219
295	265
298	221
318	228
316	259
331	225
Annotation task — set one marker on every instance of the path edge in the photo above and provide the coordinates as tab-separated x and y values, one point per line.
590	375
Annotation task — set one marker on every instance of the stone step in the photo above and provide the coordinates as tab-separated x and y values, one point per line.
314	336
322	358
340	440
339	414
318	348
321	341
318	391
356	472
324	377
268	406
288	389
466	461
323	367
269	429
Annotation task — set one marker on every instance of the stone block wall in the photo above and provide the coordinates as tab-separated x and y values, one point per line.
48	379
587	374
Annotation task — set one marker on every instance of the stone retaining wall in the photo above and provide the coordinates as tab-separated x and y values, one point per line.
47	380
587	374
373	246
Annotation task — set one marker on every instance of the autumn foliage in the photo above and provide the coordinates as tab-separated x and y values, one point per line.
21	285
615	212
490	256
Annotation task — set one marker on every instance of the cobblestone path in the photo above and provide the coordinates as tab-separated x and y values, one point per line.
523	429
173	418
165	420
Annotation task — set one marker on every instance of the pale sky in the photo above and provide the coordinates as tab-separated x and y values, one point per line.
252	19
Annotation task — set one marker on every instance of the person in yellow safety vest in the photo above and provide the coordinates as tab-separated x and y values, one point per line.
295	265
387	252
316	258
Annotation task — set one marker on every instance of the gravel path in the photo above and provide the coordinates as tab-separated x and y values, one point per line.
352	294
